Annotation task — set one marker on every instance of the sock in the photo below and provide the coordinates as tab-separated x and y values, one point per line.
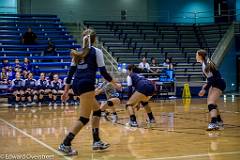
133	118
150	116
219	119
214	120
95	133
114	113
67	141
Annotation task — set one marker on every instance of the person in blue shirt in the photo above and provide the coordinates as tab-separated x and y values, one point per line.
84	66
215	86
143	91
27	65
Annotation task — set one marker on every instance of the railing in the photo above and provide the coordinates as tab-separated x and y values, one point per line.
110	59
223	46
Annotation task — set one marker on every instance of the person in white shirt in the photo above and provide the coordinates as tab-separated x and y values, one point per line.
144	65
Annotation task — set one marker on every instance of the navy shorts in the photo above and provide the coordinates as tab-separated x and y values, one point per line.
81	86
147	89
220	84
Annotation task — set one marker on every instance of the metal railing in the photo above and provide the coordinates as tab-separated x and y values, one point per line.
223	46
110	60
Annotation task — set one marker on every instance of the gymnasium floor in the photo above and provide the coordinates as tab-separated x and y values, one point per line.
179	133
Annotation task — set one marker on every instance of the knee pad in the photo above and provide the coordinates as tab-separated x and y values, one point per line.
97	113
36	94
84	120
144	103
42	92
110	103
211	107
50	92
18	95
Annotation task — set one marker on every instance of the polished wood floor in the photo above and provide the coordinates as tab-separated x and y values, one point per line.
178	134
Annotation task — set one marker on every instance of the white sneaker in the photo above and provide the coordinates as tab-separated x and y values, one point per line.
114	118
212	127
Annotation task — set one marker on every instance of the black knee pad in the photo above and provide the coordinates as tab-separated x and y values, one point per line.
36	94
110	103
97	113
18	95
211	107
42	92
84	120
50	92
144	103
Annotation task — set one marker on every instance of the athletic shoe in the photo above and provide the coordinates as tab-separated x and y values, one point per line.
133	123
114	118
67	150
212	127
39	104
151	120
16	105
99	145
50	104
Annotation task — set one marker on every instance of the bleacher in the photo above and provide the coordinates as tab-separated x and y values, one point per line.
46	27
129	41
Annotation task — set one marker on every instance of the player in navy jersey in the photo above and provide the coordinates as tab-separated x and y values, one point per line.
18	88
112	99
84	65
42	85
56	89
30	89
143	91
215	86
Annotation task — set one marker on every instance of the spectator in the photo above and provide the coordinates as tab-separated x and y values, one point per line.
26	65
25	74
29	37
3	74
17	66
154	65
5	63
168	63
10	73
144	65
50	50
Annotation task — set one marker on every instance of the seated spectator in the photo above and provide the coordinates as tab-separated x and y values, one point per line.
10	73
18	89
5	63
154	65
36	71
50	50
17	66
25	74
27	65
144	65
29	37
168	63
30	89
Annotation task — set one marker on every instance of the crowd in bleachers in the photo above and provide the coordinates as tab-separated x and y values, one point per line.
28	87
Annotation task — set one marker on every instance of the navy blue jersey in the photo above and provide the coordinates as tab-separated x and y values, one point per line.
140	84
56	85
30	83
85	72
42	84
18	83
213	79
27	66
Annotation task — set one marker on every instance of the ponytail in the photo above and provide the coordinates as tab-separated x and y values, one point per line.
210	65
89	37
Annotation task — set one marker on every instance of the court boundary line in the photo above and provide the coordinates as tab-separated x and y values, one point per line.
193	156
36	140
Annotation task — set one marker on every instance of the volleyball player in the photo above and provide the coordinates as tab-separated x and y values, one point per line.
30	89
215	86
144	90
112	99
18	89
56	89
84	65
42	87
